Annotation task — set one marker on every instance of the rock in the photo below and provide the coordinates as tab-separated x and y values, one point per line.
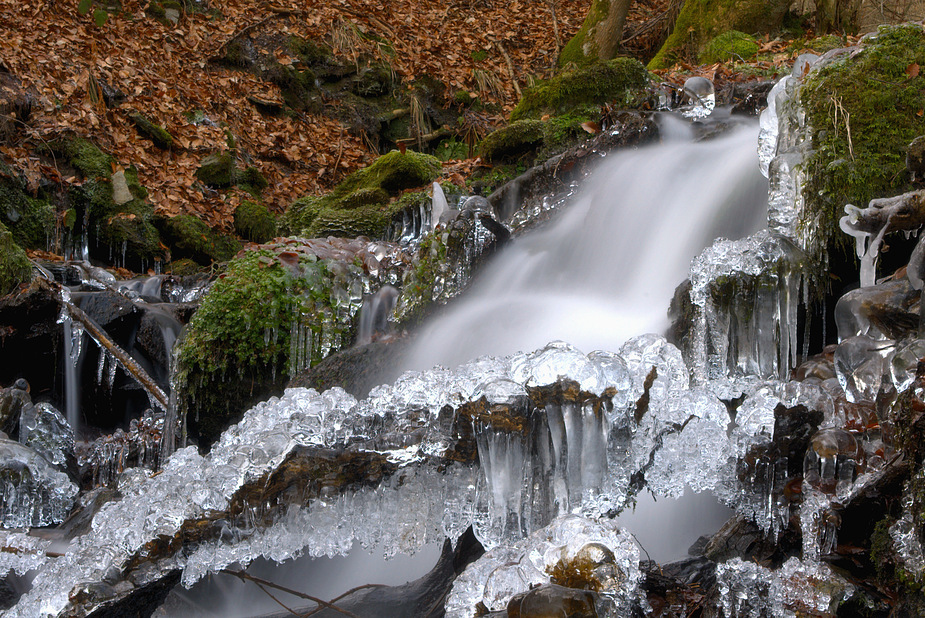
13	401
32	336
120	190
217	170
513	140
889	309
190	237
622	80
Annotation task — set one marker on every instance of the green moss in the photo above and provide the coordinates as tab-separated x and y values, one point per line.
237	348
871	98
392	172
84	156
254	222
189	237
252	181
30	220
14	265
730	45
370	221
156	133
701	20
217	170
622	80
183	267
300	215
580	49
358	206
514	139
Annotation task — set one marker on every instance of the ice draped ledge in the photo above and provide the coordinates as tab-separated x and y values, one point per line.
503	444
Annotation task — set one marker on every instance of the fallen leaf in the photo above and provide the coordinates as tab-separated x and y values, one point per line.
912	70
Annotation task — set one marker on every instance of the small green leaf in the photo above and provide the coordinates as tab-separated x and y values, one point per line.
100	16
84	7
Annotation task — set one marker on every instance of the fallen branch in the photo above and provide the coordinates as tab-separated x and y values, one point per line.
262	582
127	362
427	137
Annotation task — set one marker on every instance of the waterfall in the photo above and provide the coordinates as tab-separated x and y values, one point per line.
607	268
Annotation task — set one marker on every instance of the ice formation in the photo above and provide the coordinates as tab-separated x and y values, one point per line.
701	95
32	491
606	555
227	507
797	588
746	294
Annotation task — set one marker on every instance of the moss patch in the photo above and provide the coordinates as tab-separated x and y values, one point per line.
14	265
514	139
872	98
154	132
30	220
191	238
701	20
359	205
217	170
237	348
622	80
730	45
254	222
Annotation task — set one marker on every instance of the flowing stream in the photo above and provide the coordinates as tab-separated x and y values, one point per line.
606	269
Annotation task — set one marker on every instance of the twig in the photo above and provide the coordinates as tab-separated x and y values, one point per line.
278	602
348	593
373	20
427	137
510	68
340	150
555	26
246	576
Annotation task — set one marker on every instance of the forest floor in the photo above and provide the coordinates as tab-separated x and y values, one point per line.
58	54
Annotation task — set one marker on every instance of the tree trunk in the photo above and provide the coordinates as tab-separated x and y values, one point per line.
600	34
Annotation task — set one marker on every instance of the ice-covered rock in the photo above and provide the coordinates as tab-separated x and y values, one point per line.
32	491
597	551
45	430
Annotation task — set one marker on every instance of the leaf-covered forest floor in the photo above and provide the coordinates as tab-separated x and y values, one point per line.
58	54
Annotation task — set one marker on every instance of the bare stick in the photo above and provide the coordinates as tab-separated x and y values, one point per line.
127	362
555	26
510	68
242	575
348	593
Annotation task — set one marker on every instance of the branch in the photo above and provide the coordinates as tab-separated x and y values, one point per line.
262	582
510	68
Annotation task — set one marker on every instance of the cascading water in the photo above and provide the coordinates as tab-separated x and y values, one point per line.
606	270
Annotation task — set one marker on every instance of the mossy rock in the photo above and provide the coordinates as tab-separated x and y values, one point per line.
392	172
236	351
217	170
622	80
300	215
515	139
254	222
370	221
156	133
251	180
872	94
183	267
30	220
15	267
730	45
189	237
84	156
358	206
701	20
128	238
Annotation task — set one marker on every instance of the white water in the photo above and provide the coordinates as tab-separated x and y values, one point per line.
607	268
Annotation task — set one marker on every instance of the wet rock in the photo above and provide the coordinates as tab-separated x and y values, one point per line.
553	600
217	170
13	401
750	98
31	335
